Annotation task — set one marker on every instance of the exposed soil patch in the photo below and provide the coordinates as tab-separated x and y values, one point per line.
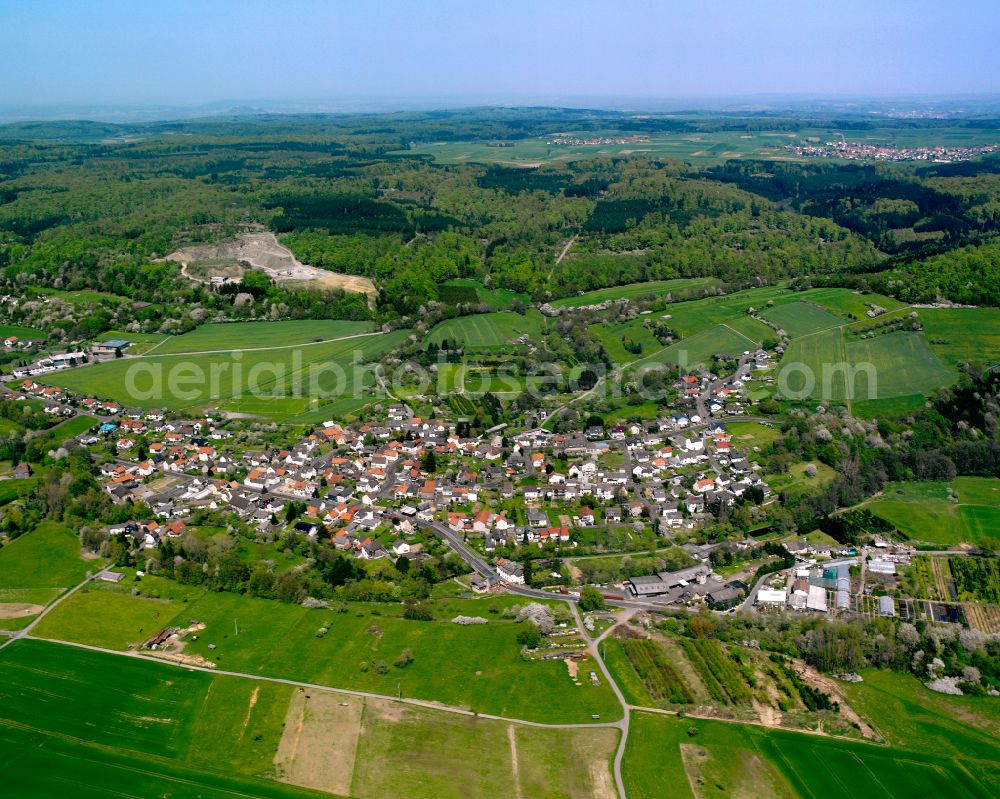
261	251
816	680
16	610
320	741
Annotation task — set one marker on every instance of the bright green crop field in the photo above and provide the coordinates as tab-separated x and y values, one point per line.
884	367
257	335
488	331
801	318
75	722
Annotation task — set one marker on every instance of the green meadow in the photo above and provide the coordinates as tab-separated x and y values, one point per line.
23	333
45	560
679	287
488	331
331	369
477	667
257	335
963	335
884	367
927	513
699	348
800	318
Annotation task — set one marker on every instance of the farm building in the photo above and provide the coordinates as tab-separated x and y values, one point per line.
662	583
114	347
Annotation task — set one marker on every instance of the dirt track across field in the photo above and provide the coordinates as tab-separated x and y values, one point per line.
263	251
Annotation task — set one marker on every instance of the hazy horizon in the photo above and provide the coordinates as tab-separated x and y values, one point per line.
390	54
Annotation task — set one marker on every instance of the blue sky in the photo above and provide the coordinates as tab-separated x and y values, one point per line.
178	52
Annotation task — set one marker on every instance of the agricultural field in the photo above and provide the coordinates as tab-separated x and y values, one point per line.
903	362
694	316
260	335
940	513
198	734
807	367
701	758
661	680
705	147
963	335
800	318
885	367
332	369
488	331
679	288
465	666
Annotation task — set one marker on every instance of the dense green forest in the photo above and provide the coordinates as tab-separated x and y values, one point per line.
93	206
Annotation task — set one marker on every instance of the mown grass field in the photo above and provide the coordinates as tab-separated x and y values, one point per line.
330	370
679	287
466	666
255	335
488	331
688	318
963	335
926	513
801	318
904	364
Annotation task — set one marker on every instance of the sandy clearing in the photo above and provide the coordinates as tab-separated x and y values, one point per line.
320	741
15	610
263	251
